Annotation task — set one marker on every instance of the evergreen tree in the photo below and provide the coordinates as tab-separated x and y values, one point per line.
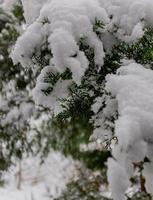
93	63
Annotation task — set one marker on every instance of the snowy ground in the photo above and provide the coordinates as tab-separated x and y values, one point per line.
29	180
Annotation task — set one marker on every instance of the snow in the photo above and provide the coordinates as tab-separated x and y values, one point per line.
118	180
29	179
32	9
132	86
129	17
148	174
59	90
8	5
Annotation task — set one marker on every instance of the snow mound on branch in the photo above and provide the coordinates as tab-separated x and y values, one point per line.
68	21
8	5
148	174
63	23
59	90
129	17
60	24
32	9
132	87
